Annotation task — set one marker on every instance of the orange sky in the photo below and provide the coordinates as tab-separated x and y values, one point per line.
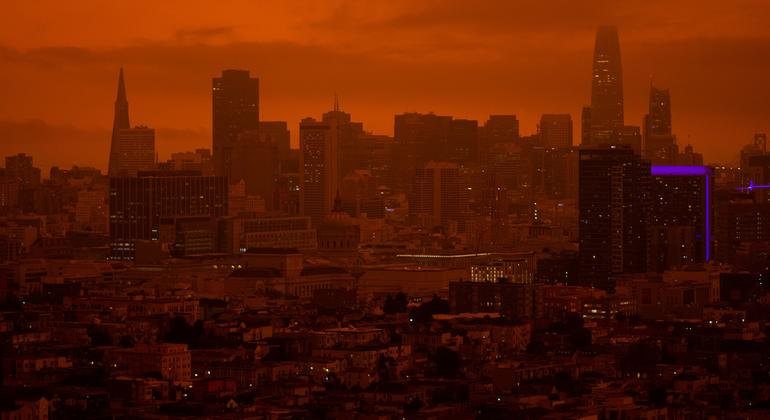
59	63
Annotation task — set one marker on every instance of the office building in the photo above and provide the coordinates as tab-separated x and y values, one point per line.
660	146
512	300
138	204
614	190
235	111
555	131
319	167
606	112
437	197
680	216
134	150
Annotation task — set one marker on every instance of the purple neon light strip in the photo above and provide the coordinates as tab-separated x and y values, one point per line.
658	170
708	218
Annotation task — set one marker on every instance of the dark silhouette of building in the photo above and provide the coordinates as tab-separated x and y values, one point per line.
120	122
420	138
437	197
235	111
555	130
349	145
462	142
614	196
659	142
680	216
319	167
139	204
497	130
512	300
606	86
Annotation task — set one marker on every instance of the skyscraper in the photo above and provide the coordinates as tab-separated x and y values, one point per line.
436	196
419	139
659	142
613	211
555	130
497	130
235	111
680	216
319	163
134	151
349	144
120	122
659	117
606	86
131	149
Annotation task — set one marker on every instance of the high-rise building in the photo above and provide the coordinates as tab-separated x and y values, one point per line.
627	135
680	216
659	142
555	130
319	165
120	122
235	110
613	212
133	151
276	133
606	86
349	146
420	138
585	126
436	198
138	205
658	121
462	141
497	130
20	168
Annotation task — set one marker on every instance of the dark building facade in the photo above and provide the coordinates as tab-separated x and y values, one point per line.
139	205
680	216
512	300
606	86
613	210
235	111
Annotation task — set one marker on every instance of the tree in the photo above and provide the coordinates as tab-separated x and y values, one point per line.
425	312
395	304
181	332
447	362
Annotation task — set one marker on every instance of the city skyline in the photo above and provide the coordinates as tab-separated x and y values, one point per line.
507	77
491	210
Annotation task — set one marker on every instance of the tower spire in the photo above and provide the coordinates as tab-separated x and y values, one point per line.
121	97
119	122
336	102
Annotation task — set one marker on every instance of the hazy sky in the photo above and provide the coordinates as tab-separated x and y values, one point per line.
59	63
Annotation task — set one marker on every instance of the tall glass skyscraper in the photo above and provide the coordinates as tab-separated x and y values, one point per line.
606	86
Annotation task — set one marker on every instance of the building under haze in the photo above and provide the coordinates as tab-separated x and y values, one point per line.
555	130
613	210
132	149
235	111
436	197
120	122
606	112
139	205
680	228
319	167
659	142
420	138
